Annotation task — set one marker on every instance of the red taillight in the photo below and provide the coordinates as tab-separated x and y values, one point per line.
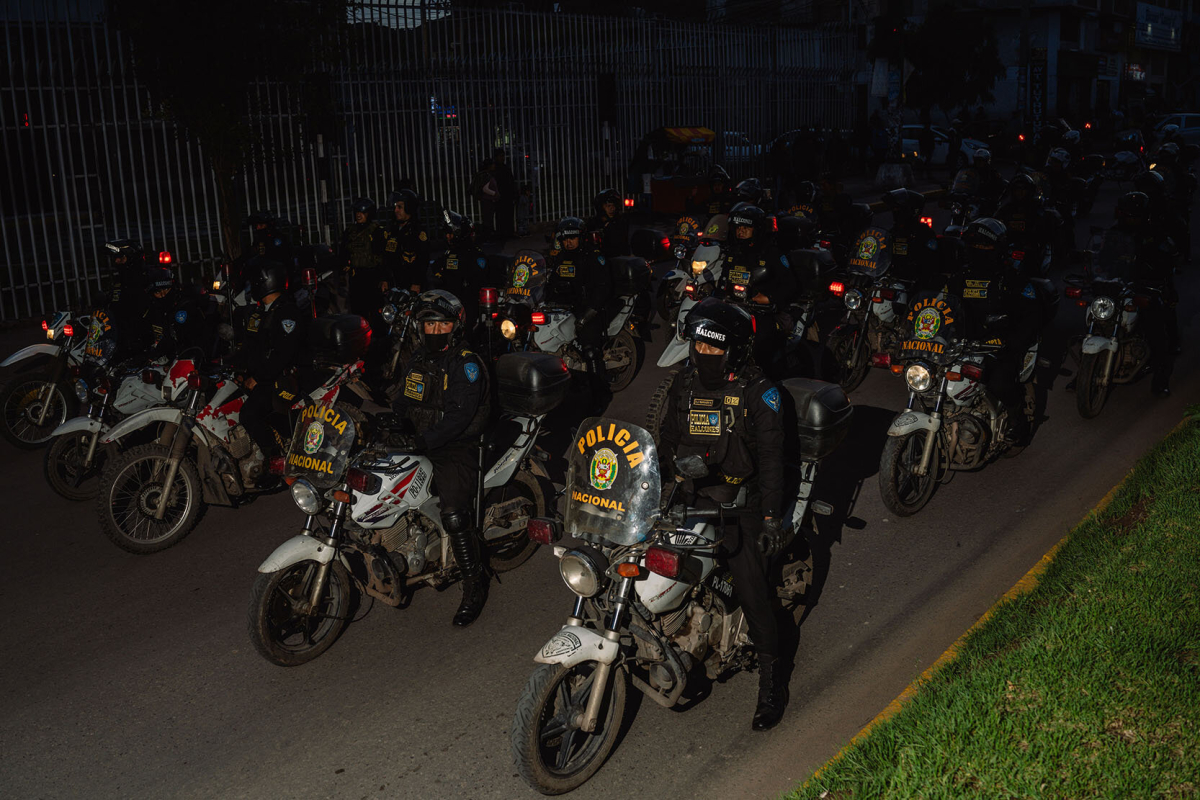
193	380
1019	255
495	314
164	257
360	480
927	221
838	288
665	243
887	294
972	371
276	465
68	330
538	318
739	288
45	325
826	243
629	202
1073	291
690	290
309	277
882	360
542	531
1020	137
488	297
1087	126
775	224
662	561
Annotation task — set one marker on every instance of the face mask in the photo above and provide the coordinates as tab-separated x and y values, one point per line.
437	342
710	370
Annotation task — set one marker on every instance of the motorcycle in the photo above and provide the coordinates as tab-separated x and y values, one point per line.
689	235
708	263
373	524
651	599
153	495
40	397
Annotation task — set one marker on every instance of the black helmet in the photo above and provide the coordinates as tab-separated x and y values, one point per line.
745	215
718	175
1152	184
722	325
806	192
750	191
1170	133
983	157
407	198
986	241
1071	136
905	204
606	196
364	205
460	229
568	227
1169	153
1058	159
160	278
438	305
1022	187
261	217
125	252
1133	209
266	277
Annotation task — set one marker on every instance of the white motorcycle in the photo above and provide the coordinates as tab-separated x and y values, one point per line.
652	600
40	397
708	263
373	524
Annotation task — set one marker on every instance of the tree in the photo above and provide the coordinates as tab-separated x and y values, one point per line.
955	59
199	60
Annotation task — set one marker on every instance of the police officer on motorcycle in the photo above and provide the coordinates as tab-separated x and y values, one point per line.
1029	224
579	279
720	196
609	224
172	322
274	348
362	244
125	296
406	244
445	398
463	270
991	185
724	410
914	244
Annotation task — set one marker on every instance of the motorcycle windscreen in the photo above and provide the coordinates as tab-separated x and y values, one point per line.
966	182
871	254
613	483
717	228
933	321
1117	258
685	228
527	278
320	448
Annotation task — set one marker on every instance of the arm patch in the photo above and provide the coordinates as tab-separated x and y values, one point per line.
771	398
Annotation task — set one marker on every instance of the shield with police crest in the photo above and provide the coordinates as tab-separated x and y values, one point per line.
933	321
871	253
613	483
320	446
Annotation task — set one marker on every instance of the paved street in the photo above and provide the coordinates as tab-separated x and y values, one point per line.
127	676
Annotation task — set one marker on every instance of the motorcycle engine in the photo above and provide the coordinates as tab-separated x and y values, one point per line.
411	538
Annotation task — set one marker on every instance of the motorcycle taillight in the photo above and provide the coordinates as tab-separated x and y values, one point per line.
538	318
488	297
194	381
881	360
662	561
362	481
276	465
1019	255
543	531
310	277
972	371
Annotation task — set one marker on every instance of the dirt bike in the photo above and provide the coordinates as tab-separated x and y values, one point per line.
373	525
41	396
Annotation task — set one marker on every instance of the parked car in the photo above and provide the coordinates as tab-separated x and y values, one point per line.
941	148
1189	127
738	148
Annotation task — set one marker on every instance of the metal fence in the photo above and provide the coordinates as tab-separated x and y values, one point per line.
424	95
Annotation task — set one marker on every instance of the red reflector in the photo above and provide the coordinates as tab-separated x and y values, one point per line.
45	325
275	465
927	221
68	330
838	288
1074	291
193	380
775	224
662	561
310	277
881	360
629	202
972	371
488	296
164	257
887	294
753	324
665	243
826	243
357	479
538	318
1141	301
541	531
1019	255
495	314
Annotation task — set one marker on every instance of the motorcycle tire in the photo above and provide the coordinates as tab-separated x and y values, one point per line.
851	360
64	467
1090	396
659	401
557	762
515	547
621	378
285	637
19	396
127	497
903	493
666	307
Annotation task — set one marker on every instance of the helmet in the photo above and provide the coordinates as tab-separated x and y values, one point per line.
1170	133
750	216
806	192
1058	159
750	191
1169	153
986	242
124	252
460	229
1022	187
266	277
1071	137
364	205
438	305
1152	184
904	203
983	157
1133	209
407	198
159	278
606	196
567	227
722	325
718	175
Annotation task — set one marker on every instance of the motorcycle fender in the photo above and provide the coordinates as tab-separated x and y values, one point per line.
1094	344
79	425
575	644
141	420
32	350
296	549
674	275
675	351
911	421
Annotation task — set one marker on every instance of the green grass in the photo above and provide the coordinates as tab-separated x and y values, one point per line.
1088	686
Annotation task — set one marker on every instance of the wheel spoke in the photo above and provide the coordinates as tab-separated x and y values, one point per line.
564	750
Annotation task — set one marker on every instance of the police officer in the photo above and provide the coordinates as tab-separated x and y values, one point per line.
609	224
579	278
914	244
125	296
991	185
406	244
749	191
464	268
171	322
362	244
724	410
998	303
1167	218
274	347
1028	223
445	397
720	196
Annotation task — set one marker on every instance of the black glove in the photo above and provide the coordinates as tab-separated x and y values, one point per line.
771	538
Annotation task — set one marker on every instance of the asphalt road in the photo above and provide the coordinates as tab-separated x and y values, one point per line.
127	676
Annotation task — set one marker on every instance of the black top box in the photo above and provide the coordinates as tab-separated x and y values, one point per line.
339	338
821	415
531	384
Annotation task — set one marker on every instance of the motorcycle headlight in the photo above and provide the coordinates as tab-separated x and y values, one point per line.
1103	308
81	390
698	267
853	299
580	573
680	252
306	496
388	313
918	377
508	329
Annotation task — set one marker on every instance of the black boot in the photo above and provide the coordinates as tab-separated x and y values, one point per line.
598	382
772	693
467	553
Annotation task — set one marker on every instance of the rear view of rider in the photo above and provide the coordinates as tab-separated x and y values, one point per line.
914	244
991	185
720	196
1030	225
610	224
724	410
580	279
463	269
445	398
125	294
172	322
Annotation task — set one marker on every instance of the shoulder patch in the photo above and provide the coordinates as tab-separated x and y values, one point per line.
481	262
771	398
279	242
783	260
1029	292
422	236
181	316
601	259
472	370
289	325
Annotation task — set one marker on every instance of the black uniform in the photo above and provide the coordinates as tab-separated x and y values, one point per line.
276	342
461	273
405	253
1030	226
761	269
915	254
362	244
738	430
613	232
171	325
580	279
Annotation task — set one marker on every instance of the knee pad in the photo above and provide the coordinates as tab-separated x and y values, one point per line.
456	520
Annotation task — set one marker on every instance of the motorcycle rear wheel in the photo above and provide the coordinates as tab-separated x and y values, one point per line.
512	549
286	635
620	378
1090	395
851	358
128	495
21	407
903	492
551	753
65	470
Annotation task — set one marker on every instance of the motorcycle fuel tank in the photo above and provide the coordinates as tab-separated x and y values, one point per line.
405	484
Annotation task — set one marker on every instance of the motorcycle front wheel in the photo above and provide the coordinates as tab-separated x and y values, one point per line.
130	490
1090	392
65	470
904	492
284	627
666	303
552	754
850	357
23	399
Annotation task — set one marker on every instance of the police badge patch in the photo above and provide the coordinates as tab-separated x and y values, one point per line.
771	398
289	325
601	260
603	471
181	316
422	236
481	262
472	371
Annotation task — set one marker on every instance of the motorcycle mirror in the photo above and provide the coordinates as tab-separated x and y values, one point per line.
691	467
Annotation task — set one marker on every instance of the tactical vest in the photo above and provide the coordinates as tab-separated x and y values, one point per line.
425	384
358	241
747	270
713	424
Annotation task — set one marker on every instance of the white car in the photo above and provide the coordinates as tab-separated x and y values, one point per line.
911	145
1189	127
